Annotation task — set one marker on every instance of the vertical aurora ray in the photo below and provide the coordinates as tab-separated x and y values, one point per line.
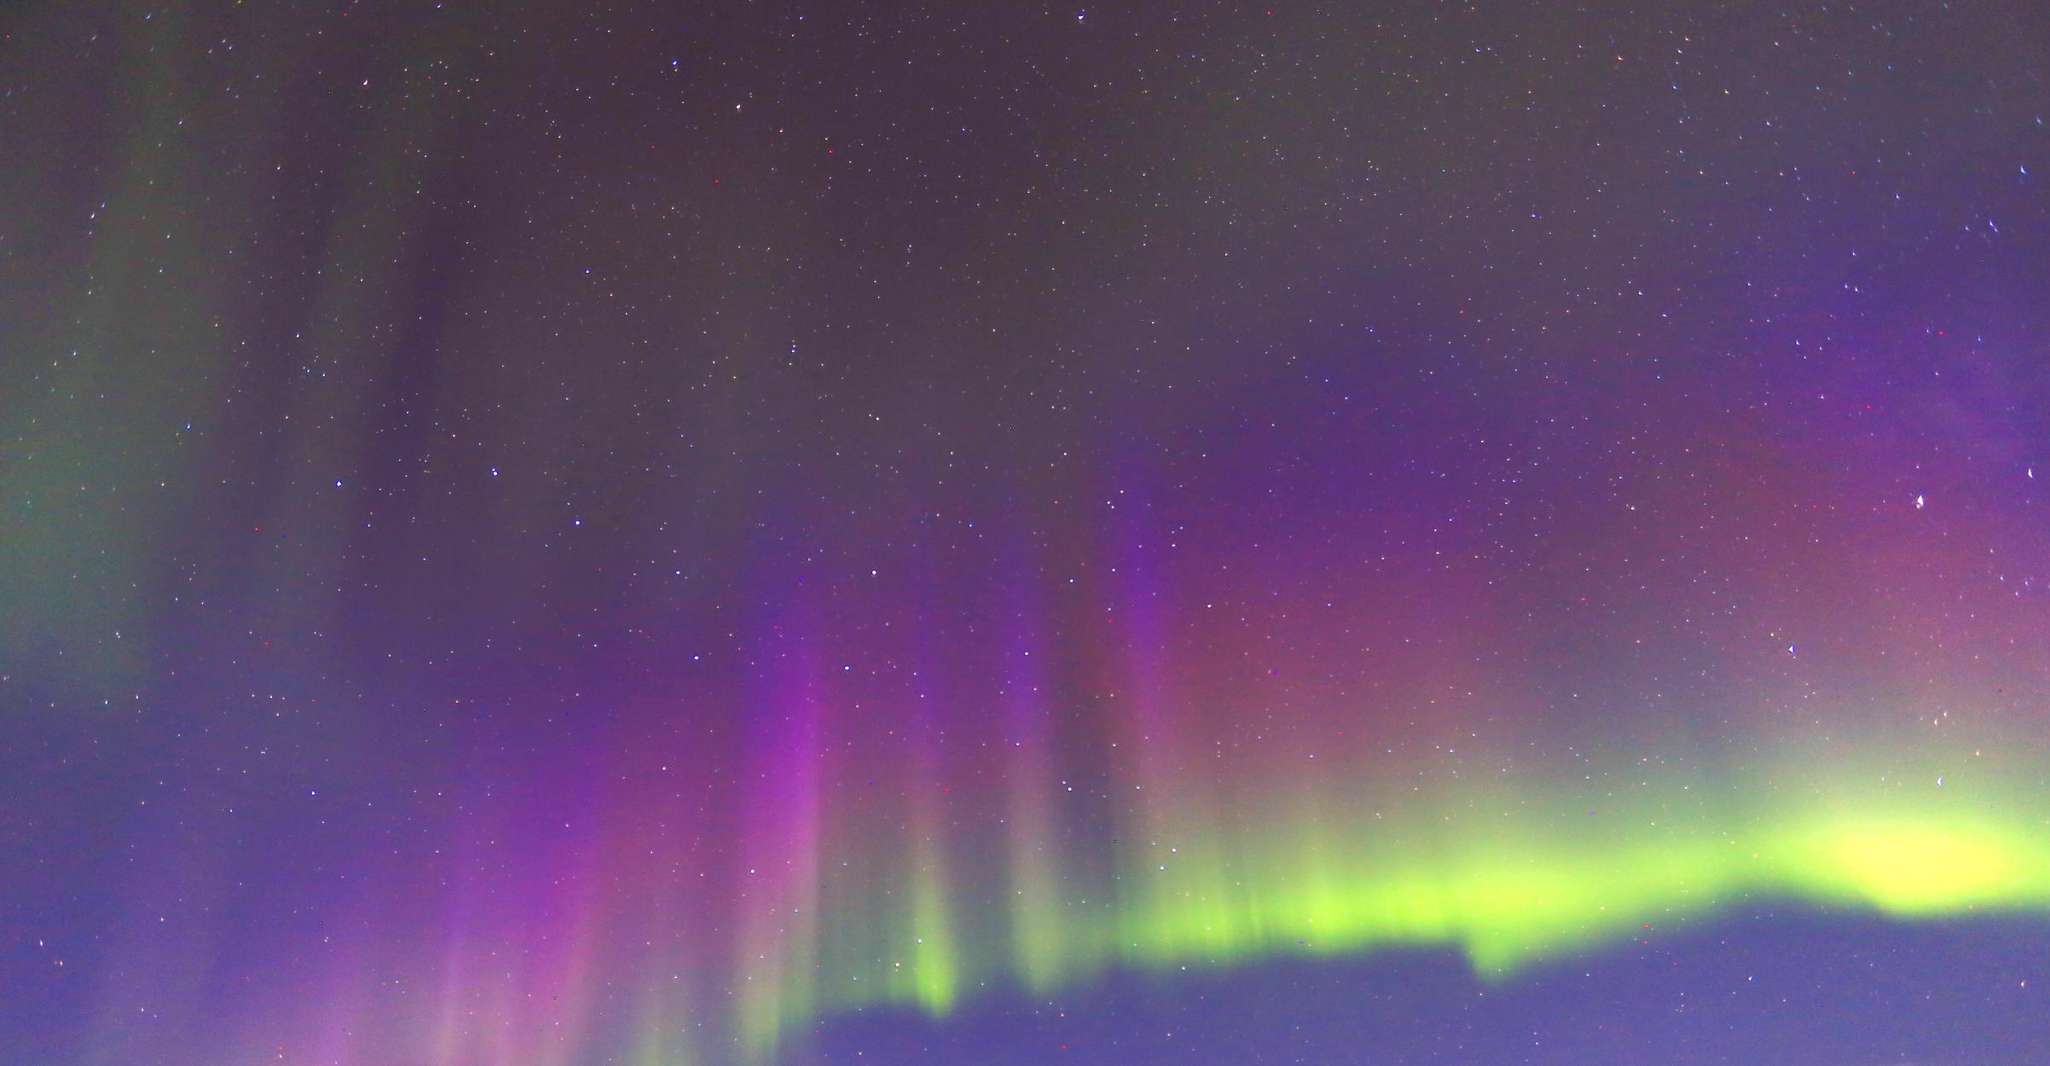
659	1034
932	976
927	969
778	877
1177	892
1038	935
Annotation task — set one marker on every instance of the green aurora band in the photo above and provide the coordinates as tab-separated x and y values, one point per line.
1498	881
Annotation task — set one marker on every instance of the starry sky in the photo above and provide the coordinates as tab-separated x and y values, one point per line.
804	533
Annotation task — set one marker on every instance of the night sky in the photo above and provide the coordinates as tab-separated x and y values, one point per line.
813	533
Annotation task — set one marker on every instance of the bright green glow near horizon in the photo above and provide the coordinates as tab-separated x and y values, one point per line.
1506	898
932	979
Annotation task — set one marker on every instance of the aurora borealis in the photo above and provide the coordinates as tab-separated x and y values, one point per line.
736	535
